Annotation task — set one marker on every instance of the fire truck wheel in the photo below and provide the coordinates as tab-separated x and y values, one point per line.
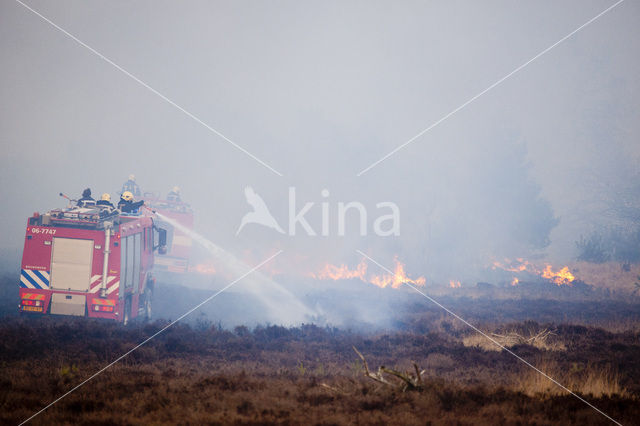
127	311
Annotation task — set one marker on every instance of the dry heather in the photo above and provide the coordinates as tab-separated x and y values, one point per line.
610	275
544	339
187	391
590	381
311	375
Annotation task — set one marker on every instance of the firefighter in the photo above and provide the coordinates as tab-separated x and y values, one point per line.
86	198
131	186
105	200
126	199
174	195
126	203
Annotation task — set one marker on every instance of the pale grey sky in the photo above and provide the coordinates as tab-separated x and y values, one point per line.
320	90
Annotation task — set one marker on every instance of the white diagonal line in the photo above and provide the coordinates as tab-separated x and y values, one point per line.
113	287
493	340
136	79
34	277
26	282
155	334
489	88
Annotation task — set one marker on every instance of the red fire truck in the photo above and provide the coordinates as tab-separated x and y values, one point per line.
90	261
179	244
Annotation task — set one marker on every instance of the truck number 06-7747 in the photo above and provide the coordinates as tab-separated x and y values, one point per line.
43	231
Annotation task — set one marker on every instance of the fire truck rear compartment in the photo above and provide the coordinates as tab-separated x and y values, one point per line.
68	304
58	272
71	264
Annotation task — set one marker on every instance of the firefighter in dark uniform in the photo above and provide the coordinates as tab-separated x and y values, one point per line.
126	203
105	200
131	186
86	198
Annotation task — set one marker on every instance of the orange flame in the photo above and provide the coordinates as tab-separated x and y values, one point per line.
563	276
523	265
343	272
454	284
515	281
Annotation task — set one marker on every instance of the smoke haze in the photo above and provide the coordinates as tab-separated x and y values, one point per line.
319	91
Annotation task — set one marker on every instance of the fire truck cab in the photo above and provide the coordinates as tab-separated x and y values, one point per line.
92	261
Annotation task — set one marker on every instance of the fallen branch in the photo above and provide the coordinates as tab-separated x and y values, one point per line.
378	376
514	338
407	380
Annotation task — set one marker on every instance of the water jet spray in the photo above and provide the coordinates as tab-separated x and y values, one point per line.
282	305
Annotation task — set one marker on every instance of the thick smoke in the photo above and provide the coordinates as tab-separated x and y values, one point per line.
319	93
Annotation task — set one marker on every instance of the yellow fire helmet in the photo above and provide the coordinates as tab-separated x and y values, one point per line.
127	196
106	197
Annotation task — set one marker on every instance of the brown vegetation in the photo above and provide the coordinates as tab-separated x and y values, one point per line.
590	381
612	275
203	373
278	375
497	341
